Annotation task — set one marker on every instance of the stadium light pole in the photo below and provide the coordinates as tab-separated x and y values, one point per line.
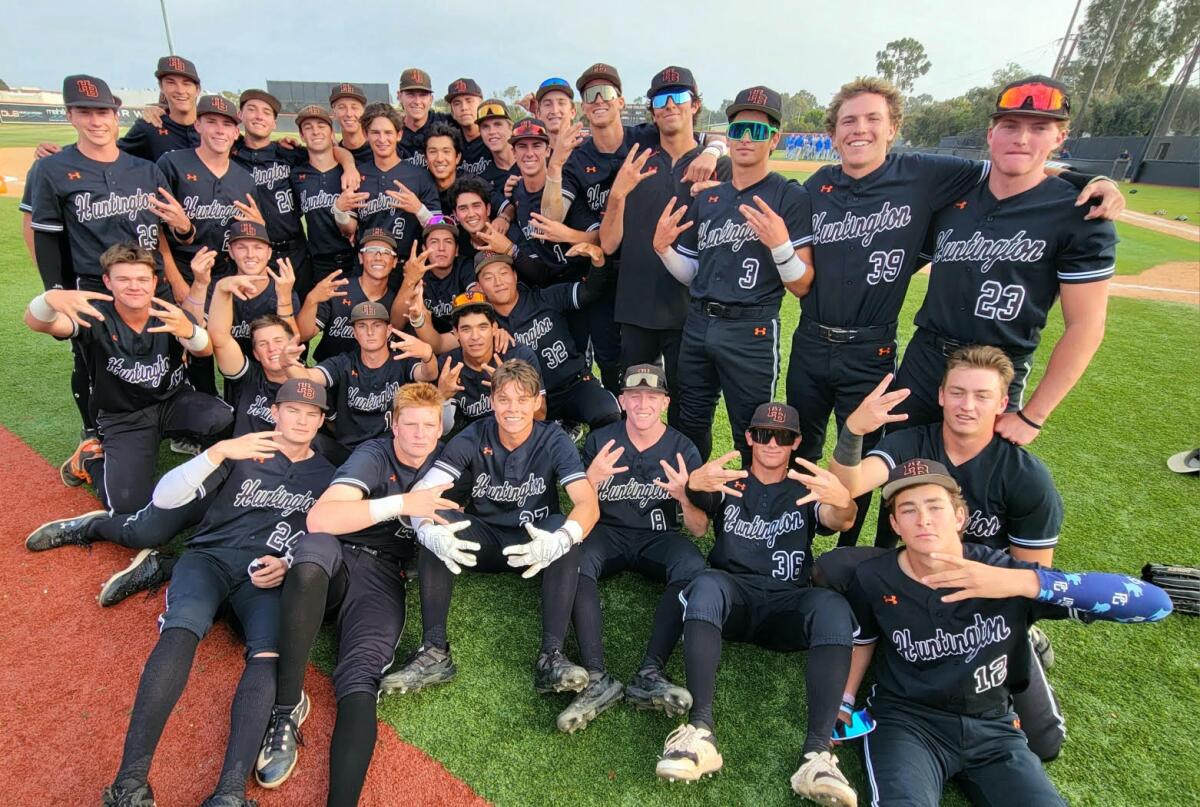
166	27
1112	31
1060	64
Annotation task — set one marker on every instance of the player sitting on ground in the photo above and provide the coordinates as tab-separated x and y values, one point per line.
262	484
506	472
951	620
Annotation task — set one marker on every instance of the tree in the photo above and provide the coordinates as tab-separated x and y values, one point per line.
3	85
795	107
1152	37
902	62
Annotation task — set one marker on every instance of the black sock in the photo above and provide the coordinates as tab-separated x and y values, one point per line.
850	536
351	749
668	627
702	656
436	583
301	609
248	720
825	672
559	581
163	679
589	624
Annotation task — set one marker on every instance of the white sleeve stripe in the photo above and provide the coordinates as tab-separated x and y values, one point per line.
24	208
328	377
568	195
595	226
240	373
1087	274
691	253
566	480
450	469
575	295
983	172
875	452
46	228
349	480
799	242
859	641
1033	542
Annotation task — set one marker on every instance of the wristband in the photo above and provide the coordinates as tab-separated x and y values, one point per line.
423	215
187	234
718	148
1100	178
341	216
782	253
791	270
512	251
417	323
197	341
194	301
573	531
1028	422
848	451
41	310
386	509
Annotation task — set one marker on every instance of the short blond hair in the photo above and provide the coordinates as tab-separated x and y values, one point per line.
982	357
418	393
515	371
861	86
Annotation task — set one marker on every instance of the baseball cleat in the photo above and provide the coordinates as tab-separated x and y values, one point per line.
554	672
281	744
146	571
63	532
602	692
228	800
184	445
426	667
818	779
650	689
72	471
689	754
129	793
1042	646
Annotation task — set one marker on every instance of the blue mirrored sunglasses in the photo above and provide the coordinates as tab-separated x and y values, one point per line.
680	97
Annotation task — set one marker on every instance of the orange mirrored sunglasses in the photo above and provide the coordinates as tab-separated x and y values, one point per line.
1033	98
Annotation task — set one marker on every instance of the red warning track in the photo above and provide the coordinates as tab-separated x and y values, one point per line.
69	670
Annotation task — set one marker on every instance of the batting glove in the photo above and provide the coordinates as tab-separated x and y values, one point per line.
440	539
544	548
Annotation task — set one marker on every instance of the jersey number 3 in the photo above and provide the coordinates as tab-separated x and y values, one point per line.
750	276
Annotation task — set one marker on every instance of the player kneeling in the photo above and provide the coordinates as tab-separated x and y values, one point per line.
949	661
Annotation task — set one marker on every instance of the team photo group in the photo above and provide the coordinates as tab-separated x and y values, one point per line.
397	345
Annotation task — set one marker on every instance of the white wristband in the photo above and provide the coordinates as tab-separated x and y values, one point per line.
341	216
386	509
792	269
718	148
423	215
781	253
197	341
573	529
41	310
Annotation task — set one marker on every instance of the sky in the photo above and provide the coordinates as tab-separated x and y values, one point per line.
727	45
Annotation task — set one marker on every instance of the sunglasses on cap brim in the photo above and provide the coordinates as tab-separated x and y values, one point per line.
441	218
763	436
530	130
643	381
1034	97
491	111
556	84
757	130
680	97
600	92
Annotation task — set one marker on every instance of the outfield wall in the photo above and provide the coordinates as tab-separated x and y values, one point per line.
17	114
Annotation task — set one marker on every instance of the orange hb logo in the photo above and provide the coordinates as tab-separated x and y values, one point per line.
74	175
219	104
487	451
670	75
775	412
757	96
459	86
346	88
915	468
87	88
246	227
192	178
760	331
175	63
591	169
826	189
306	390
885	351
716	197
890	599
961	205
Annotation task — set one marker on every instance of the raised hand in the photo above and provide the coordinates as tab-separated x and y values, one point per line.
974	579
403	198
248	210
714	477
604	464
545	229
767	225
822	485
448	382
593	251
543	549
242	287
75	304
667	231
174	321
502	340
510	183
569	138
350	200
875	411
677	478
169	210
632	172
250	446
417	264
425	503
329	287
202	265
292	352
285	281
492	240
409	346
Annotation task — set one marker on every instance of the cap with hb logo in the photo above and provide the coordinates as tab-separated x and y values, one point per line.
599	72
644	376
414	78
377	234
216	105
176	66
301	390
918	472
247	230
529	129
776	416
88	91
462	86
482	259
670	78
492	108
260	95
370	309
313	112
759	99
347	91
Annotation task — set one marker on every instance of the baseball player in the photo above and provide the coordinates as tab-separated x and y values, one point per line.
395	195
347	569
506	472
639	469
316	185
180	85
327	307
464	98
554	103
758	590
472	198
263	485
439	271
951	620
495	129
416	97
365	381
348	102
1001	256
744	244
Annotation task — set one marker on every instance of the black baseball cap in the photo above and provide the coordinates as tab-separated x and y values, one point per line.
669	78
176	66
555	85
599	72
301	390
492	108
645	376
89	92
462	86
260	95
243	230
776	415
440	221
346	90
378	234
414	78
369	309
1036	96
314	111
482	259
529	129
760	99
918	472
217	105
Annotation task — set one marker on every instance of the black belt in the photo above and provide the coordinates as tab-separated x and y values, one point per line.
286	245
830	333
947	346
711	308
370	550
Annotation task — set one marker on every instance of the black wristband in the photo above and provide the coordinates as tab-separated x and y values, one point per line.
1028	422
848	451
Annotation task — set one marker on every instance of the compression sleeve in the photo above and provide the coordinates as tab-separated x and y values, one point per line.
1112	597
183	483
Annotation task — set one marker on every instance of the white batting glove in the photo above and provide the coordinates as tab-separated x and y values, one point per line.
544	548
440	539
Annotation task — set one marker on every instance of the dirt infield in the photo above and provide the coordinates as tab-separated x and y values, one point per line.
1177	282
69	671
14	164
808	166
1179	229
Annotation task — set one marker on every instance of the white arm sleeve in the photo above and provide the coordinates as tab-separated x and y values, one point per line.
183	483
433	477
681	268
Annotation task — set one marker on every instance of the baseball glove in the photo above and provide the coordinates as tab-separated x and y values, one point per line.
1182	584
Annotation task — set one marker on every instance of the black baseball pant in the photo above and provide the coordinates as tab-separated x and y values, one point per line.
325	265
583	400
296	251
647	346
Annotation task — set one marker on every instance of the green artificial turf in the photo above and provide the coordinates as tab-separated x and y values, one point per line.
1128	692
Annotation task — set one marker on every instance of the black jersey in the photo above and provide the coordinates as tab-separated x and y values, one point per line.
96	204
551	253
375	469
868	233
538	321
508	489
411	145
474	400
964	657
315	192
271	168
1010	493
588	174
151	142
378	210
998	263
246	311
476	158
133	369
441	291
252	394
630	500
498	177
333	319
208	201
261	506
361	153
763	532
363	395
735	267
